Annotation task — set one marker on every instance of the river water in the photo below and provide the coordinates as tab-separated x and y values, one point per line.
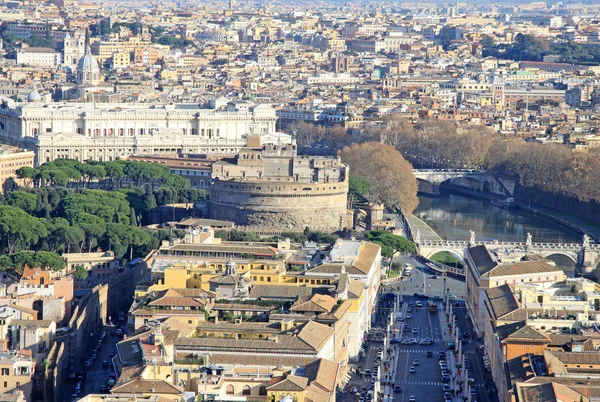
453	215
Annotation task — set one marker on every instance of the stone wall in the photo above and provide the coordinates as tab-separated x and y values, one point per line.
280	205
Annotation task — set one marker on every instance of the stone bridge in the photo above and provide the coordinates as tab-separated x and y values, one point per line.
585	256
476	180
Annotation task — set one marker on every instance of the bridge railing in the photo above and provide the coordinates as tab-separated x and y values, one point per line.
449	171
543	246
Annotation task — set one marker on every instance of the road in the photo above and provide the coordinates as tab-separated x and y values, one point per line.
426	384
421	281
96	375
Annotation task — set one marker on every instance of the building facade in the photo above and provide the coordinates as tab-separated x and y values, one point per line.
106	131
12	159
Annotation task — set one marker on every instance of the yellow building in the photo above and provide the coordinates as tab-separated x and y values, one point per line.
121	59
105	49
12	159
15	371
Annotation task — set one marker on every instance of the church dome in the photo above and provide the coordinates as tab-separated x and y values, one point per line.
88	70
87	62
34	96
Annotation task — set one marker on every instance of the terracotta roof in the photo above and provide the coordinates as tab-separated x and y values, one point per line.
289	383
147	387
482	259
315	334
577	357
284	292
323	373
551	392
366	257
502	300
522	268
356	288
264	360
518	369
527	333
317	303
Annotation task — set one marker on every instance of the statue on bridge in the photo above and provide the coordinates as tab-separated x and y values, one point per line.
418	237
586	241
472	239
528	242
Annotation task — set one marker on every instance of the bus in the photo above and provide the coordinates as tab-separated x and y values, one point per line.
432	307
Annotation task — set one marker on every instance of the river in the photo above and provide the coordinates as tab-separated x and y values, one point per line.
452	216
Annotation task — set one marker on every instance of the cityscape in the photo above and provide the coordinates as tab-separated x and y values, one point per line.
268	201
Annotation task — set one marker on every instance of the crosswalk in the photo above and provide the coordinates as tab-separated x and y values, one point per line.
439	384
469	352
419	350
433	383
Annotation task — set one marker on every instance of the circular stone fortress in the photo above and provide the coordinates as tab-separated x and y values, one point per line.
268	186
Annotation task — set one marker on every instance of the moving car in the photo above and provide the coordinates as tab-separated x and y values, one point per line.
415	362
412	370
397	389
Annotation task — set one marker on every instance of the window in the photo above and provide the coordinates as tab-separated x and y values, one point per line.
262	390
246	390
5	384
5	371
229	390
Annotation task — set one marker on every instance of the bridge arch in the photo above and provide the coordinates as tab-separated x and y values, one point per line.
570	255
428	253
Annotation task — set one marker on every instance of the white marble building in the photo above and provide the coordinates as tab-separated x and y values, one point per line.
105	131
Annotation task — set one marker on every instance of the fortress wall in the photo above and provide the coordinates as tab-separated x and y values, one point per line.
280	205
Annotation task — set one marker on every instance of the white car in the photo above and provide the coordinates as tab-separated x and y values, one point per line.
415	362
354	390
408	315
412	399
412	370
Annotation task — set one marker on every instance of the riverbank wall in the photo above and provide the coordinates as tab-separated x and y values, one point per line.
572	222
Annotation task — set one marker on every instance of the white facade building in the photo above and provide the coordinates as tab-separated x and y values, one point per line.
106	131
39	56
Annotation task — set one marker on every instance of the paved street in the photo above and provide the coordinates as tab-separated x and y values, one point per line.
426	383
96	375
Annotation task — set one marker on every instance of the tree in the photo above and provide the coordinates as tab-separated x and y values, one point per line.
149	202
26	173
121	237
49	260
133	218
390	175
80	273
23	200
109	206
18	230
93	227
389	242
